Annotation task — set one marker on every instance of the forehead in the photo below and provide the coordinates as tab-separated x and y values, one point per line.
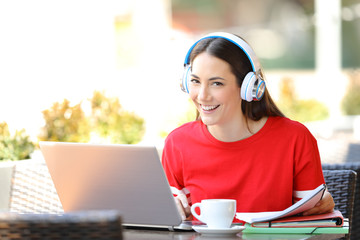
209	63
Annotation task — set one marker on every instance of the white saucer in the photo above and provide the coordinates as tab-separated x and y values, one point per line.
203	229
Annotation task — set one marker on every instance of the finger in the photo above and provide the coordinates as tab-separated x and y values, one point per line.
326	204
329	201
187	211
180	209
185	204
321	207
183	199
312	211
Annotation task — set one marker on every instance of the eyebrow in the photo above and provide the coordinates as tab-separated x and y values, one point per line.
193	75
211	79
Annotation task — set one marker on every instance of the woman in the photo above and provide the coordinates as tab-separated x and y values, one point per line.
241	146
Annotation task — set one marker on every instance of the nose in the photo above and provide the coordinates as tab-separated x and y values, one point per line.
204	93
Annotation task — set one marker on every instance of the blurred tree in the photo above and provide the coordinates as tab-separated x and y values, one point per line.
351	101
108	121
299	110
111	121
65	123
15	147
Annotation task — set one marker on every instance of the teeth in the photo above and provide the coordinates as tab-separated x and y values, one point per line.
208	108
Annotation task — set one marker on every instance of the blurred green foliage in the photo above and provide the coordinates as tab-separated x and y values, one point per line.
108	120
65	123
299	110
15	147
111	121
351	102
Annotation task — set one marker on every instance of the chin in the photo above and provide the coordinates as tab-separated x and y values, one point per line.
207	121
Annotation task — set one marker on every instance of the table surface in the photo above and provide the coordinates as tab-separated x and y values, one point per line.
142	234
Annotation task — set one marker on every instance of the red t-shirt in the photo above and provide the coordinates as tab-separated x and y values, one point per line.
263	172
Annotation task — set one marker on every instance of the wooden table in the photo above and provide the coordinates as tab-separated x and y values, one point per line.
146	234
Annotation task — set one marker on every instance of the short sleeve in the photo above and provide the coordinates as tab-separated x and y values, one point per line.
307	170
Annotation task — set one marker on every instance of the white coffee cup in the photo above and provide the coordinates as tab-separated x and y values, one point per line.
216	213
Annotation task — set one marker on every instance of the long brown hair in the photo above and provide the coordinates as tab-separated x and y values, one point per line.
240	66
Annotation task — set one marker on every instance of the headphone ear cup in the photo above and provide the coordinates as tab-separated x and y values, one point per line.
185	80
248	86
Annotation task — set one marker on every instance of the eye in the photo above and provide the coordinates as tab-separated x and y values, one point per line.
194	80
217	84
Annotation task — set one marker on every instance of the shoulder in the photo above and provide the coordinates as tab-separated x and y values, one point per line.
288	125
186	129
182	138
183	134
285	129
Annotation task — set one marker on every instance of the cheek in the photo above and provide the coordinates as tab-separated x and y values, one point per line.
236	94
193	95
233	98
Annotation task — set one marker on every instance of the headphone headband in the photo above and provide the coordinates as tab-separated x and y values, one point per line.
255	64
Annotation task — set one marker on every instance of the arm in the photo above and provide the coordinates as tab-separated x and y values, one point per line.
309	173
173	170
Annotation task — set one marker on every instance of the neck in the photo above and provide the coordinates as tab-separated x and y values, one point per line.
238	131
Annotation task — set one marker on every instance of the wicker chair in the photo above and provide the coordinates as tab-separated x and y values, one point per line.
341	184
77	225
355	166
35	211
32	189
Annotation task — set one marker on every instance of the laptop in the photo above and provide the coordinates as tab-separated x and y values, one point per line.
127	178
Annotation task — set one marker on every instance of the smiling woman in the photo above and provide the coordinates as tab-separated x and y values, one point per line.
224	67
241	146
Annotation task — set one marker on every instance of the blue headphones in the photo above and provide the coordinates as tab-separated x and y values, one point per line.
253	86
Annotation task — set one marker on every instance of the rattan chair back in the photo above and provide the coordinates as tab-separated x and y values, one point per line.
77	225
32	189
355	166
341	184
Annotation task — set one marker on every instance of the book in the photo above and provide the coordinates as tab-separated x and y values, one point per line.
333	219
294	230
306	203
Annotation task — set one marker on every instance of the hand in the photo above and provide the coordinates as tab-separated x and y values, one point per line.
183	207
325	205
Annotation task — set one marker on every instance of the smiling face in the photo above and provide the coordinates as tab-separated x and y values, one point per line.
214	91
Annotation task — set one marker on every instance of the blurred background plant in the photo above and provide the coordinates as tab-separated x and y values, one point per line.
304	110
108	122
18	146
351	102
65	123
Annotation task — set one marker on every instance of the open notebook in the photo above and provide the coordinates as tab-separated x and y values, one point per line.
127	178
306	203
